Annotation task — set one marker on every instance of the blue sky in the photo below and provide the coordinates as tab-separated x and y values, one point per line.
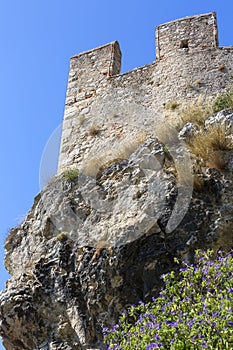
37	38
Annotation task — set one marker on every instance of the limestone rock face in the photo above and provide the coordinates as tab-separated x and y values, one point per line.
91	246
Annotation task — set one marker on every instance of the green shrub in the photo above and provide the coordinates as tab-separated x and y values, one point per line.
70	174
194	311
223	101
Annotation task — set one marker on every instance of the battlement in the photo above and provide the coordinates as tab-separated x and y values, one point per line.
89	68
105	60
187	34
188	63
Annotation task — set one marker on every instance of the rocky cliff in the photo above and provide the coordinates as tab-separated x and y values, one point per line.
93	244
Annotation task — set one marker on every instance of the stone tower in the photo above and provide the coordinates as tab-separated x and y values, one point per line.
188	63
93	245
187	34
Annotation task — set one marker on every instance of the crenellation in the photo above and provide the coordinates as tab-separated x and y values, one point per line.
188	64
187	34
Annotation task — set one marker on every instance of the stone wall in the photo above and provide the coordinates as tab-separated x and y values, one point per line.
89	248
97	93
76	265
189	33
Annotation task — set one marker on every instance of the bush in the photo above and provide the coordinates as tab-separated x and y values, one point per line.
223	101
193	312
70	174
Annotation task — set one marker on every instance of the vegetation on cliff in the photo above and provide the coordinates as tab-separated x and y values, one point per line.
191	312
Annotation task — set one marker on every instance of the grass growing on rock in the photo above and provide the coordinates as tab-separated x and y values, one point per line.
171	105
94	130
196	111
62	236
70	174
124	149
193	312
210	145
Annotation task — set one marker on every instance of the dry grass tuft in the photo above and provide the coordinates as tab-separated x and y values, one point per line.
62	236
93	165
198	82
94	130
196	112
127	147
217	160
210	145
172	105
166	133
100	246
189	84
198	183
221	67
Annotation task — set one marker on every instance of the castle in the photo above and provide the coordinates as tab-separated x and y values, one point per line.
189	63
92	246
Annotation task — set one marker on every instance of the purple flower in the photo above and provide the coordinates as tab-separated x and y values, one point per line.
156	337
213	325
204	345
115	328
153	346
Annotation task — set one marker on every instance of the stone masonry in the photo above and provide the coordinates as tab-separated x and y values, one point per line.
91	246
189	63
190	33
